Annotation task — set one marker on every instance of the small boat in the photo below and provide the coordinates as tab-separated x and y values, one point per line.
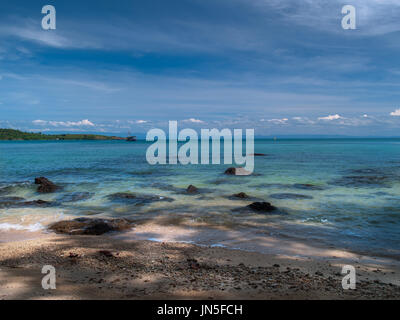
131	138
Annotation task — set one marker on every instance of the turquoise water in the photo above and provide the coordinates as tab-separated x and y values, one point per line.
344	193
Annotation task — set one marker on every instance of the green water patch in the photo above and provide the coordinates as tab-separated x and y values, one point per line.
136	198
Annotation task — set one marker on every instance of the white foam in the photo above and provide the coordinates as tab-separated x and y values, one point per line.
218	245
12	226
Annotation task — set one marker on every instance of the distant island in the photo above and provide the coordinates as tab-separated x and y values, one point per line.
17	135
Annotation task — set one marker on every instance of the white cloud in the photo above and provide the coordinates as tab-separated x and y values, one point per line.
141	121
331	117
193	120
85	122
82	123
278	121
39	122
27	29
375	17
395	113
303	120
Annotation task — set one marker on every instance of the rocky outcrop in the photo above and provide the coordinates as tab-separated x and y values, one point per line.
237	172
192	189
240	195
6	202
261	207
87	226
40	203
45	185
18	202
136	199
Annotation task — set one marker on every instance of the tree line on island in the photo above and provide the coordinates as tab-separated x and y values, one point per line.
17	135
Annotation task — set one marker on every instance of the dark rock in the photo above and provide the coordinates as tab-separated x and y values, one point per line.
193	264
17	202
164	186
98	228
192	189
136	199
290	196
307	186
45	185
240	195
237	172
106	253
231	171
261	206
9	201
87	226
35	203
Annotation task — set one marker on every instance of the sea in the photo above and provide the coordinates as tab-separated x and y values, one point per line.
339	193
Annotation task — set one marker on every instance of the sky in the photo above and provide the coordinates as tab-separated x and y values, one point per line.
281	67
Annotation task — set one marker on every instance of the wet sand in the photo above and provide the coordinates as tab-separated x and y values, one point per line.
120	267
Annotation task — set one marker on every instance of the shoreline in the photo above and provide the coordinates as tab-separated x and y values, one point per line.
115	266
168	230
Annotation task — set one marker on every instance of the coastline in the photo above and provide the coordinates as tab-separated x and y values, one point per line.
208	242
116	266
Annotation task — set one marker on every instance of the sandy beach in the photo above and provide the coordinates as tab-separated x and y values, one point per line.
114	267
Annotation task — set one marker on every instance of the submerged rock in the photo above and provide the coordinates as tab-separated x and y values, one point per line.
11	199
45	185
243	197
307	186
18	202
240	195
237	172
75	197
35	203
365	171
362	181
192	189
290	196
88	226
136	199
6	202
261	207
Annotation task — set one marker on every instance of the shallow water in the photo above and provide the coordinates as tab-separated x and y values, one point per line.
344	193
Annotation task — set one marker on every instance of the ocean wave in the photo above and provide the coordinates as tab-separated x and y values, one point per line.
18	227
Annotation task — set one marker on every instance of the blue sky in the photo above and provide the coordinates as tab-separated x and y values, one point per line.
281	67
